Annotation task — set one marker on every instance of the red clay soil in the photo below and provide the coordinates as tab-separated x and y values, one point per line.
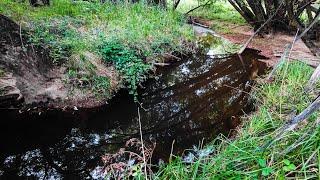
271	46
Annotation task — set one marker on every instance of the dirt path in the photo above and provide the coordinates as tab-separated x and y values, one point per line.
271	46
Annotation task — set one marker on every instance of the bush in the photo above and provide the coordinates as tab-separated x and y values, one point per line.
132	68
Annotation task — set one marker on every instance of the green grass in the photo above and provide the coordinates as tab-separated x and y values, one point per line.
219	10
219	13
72	29
296	155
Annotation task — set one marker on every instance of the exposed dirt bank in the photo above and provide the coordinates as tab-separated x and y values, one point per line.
271	46
29	78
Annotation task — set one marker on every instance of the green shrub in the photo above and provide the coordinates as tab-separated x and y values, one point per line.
126	61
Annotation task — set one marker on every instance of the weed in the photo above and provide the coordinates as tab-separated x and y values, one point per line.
101	86
127	62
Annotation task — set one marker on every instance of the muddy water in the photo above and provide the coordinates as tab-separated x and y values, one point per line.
191	101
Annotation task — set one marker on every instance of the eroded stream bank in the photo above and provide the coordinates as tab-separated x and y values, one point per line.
191	100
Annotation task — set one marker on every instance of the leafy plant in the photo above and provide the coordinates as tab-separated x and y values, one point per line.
127	63
288	166
266	171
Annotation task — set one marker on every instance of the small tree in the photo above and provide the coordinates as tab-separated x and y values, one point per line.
282	14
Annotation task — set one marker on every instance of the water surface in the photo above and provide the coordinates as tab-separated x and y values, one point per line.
191	101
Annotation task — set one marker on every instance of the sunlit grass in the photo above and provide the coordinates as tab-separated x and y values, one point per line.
219	10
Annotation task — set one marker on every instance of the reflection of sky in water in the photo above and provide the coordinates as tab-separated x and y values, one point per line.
185	70
200	91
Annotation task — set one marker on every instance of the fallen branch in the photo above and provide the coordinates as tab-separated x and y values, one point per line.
314	79
313	107
161	64
303	115
144	157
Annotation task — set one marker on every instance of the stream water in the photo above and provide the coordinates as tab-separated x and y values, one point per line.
190	101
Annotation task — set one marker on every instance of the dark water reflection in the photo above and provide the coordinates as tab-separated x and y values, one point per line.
191	100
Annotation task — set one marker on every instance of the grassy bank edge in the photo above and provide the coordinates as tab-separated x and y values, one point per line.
80	34
296	155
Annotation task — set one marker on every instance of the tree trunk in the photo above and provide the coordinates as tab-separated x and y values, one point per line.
257	12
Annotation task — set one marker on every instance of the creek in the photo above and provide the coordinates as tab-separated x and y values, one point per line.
188	102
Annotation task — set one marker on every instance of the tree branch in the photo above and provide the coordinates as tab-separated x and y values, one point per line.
202	5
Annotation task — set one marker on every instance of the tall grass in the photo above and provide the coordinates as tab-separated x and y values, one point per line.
147	28
295	156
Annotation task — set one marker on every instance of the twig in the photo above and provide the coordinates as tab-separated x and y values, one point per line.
202	5
21	39
201	25
161	64
144	157
294	40
173	56
21	35
170	158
